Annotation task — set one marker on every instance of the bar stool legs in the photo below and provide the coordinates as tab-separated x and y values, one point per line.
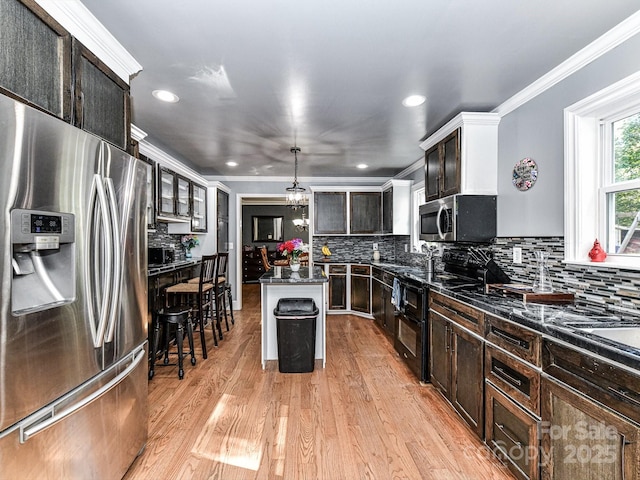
181	318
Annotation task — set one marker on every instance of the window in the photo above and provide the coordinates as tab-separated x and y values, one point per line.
602	175
621	190
417	199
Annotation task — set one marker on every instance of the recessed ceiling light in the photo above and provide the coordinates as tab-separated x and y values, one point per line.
362	166
165	96
231	163
414	100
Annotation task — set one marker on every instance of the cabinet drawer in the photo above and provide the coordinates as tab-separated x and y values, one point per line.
339	269
520	341
518	380
512	434
459	312
360	269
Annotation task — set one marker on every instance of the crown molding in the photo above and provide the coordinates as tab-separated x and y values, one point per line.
166	160
137	133
460	120
605	43
305	180
81	24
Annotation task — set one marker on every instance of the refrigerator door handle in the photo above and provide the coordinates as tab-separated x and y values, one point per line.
116	249
95	263
31	428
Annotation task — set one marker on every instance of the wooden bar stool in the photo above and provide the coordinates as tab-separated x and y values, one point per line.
170	318
199	296
220	282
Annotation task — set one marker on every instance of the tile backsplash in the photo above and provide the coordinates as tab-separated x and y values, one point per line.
593	282
161	238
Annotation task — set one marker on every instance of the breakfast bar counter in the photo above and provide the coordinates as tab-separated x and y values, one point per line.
282	282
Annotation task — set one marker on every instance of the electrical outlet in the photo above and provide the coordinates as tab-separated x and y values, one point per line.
517	255
375	247
406	247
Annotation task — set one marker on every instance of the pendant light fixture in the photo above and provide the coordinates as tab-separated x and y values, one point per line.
296	196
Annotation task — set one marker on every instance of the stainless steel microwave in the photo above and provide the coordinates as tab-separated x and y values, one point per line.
459	218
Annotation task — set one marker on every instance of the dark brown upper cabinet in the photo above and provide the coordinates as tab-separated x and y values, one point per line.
151	191
35	58
101	98
366	212
199	208
442	167
330	213
462	156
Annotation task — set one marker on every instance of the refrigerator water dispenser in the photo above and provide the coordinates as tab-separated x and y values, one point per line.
43	260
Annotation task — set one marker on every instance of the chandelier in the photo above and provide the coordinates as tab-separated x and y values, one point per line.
301	224
296	196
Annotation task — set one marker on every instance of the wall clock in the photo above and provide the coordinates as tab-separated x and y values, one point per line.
525	174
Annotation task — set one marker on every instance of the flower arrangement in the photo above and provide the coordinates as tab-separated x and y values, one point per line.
189	241
293	248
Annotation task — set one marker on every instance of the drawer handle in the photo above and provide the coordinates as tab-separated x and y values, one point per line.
510	339
505	376
624	394
509	434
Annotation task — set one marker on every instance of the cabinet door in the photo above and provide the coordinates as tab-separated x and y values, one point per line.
337	292
377	305
360	293
512	434
151	192
223	220
365	212
199	206
183	197
387	211
166	192
222	204
467	378
432	173
582	440
450	164
330	212
35	58
390	314
101	103
439	352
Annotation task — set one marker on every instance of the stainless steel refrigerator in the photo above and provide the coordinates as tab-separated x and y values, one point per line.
73	304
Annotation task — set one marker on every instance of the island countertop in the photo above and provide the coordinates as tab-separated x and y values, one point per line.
306	275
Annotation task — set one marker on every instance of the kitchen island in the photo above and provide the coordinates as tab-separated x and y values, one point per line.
282	282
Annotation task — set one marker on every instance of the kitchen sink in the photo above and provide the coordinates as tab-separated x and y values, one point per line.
625	335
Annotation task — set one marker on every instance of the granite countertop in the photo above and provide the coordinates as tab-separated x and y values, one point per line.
560	322
306	275
172	267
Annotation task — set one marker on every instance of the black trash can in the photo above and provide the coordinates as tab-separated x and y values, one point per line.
296	329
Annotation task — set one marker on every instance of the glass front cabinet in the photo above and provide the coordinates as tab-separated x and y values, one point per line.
199	207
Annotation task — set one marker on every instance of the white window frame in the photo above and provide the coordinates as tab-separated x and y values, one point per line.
417	199
585	172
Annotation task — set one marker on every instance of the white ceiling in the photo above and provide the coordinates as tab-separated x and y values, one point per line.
255	76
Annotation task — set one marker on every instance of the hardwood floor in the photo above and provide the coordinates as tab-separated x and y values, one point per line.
362	417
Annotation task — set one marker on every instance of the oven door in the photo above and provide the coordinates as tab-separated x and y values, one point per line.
409	343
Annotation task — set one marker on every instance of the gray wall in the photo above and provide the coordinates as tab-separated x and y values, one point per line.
272	210
536	130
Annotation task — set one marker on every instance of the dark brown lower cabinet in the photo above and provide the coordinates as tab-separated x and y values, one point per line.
360	289
584	440
337	287
457	370
512	434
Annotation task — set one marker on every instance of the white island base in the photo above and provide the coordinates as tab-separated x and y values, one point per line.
273	290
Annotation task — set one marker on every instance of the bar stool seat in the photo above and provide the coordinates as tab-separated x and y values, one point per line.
178	318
